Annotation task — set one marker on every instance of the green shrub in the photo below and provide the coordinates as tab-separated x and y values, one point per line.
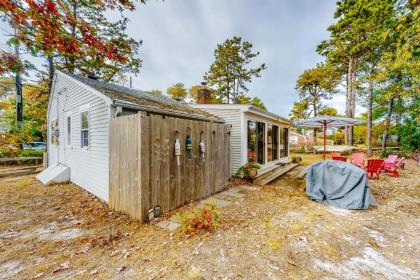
386	153
31	153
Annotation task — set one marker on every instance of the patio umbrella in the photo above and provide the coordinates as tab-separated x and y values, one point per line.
325	121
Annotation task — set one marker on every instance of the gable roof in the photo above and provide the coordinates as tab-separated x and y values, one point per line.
143	101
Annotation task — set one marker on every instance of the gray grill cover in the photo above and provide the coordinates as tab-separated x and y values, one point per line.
339	184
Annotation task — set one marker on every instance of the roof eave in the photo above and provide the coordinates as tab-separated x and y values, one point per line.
169	112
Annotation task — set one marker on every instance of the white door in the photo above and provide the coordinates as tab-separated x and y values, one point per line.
67	141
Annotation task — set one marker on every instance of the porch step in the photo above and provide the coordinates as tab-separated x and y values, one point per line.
54	174
274	174
269	169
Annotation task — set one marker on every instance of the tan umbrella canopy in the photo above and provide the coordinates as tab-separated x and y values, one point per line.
325	121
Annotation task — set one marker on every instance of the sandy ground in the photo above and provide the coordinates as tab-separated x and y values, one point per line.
62	232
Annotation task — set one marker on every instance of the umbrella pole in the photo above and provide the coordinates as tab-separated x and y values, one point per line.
325	136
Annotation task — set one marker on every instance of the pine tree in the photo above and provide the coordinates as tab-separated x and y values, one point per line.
230	71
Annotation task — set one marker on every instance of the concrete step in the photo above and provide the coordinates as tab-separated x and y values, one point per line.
274	174
54	174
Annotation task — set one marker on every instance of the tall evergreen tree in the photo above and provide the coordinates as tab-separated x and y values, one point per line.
315	85
230	72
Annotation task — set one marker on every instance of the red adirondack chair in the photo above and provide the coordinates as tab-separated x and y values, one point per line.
391	167
400	163
339	158
391	159
334	154
358	159
374	167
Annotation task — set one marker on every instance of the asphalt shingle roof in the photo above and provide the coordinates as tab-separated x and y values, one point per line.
146	101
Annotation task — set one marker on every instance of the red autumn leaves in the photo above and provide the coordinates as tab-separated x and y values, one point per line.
50	27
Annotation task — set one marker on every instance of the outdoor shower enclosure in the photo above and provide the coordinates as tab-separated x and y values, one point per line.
144	171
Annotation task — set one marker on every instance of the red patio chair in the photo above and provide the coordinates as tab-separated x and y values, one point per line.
390	162
391	168
340	158
335	155
391	159
400	163
374	166
358	159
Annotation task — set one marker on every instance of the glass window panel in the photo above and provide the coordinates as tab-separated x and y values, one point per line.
68	130
260	142
275	142
281	144
270	150
252	141
84	136
85	121
286	141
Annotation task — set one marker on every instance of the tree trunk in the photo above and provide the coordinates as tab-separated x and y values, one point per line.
387	123
50	74
369	120
352	102
73	33
18	83
315	114
348	97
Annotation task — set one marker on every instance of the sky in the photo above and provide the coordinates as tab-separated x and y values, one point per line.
179	38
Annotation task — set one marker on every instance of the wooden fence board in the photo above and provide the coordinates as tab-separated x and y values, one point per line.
143	167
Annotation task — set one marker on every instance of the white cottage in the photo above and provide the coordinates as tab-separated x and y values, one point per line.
256	135
79	114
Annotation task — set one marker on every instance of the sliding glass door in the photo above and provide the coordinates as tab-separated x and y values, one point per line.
272	142
275	142
284	142
260	142
256	141
252	141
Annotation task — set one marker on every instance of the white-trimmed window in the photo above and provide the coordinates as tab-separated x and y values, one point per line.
84	129
68	130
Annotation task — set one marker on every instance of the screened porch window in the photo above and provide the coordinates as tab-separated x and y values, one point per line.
84	129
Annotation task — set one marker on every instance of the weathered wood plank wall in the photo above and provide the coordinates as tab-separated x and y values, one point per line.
143	167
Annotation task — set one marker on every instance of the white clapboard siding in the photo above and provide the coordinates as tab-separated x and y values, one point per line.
232	117
89	168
